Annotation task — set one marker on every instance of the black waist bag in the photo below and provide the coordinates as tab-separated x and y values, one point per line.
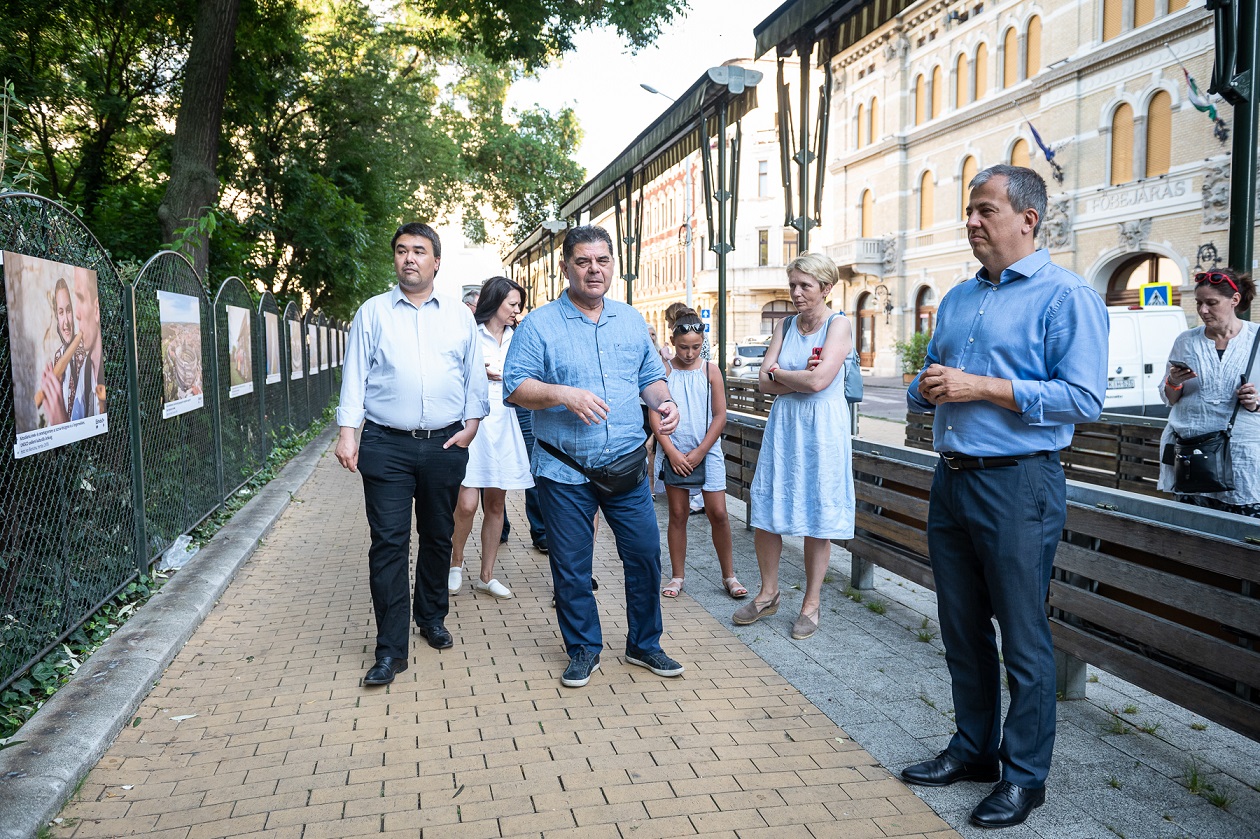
620	476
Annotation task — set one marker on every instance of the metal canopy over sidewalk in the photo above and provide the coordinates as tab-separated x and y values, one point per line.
815	20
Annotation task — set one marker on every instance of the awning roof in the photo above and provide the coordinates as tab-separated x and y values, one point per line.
850	20
664	143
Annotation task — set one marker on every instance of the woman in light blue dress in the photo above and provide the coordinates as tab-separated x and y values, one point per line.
804	480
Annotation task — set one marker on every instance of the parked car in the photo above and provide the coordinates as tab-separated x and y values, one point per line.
1140	340
746	362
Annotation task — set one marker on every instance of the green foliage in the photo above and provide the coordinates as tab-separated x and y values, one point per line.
15	156
913	353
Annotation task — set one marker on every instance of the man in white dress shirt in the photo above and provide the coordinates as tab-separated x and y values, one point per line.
415	379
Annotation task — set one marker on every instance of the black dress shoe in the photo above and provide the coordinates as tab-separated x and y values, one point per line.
1007	805
384	670
945	769
437	636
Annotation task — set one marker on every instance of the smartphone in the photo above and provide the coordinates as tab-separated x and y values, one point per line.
1181	365
817	352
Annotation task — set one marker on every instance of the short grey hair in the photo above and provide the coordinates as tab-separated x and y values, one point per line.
470	296
1025	189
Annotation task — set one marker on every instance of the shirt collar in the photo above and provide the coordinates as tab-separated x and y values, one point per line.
396	295
572	311
1022	268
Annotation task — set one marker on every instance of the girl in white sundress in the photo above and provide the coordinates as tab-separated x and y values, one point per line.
692	454
497	460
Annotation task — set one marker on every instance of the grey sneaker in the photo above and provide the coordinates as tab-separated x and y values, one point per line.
581	665
658	663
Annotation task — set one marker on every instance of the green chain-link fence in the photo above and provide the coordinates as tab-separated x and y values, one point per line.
110	447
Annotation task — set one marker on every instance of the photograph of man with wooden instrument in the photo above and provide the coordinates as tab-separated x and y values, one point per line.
56	352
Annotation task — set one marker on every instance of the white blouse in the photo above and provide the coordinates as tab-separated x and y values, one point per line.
1207	401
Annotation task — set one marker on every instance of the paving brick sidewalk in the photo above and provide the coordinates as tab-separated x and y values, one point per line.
260	724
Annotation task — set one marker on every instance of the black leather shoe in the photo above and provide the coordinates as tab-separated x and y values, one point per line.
945	769
540	545
437	636
1007	805
384	670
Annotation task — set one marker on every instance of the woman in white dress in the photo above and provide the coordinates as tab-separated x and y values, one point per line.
497	460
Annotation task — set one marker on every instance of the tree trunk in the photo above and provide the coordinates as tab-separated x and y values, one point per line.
193	185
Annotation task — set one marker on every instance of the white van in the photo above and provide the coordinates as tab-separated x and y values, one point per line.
1137	356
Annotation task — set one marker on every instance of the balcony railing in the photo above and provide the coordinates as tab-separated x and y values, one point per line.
860	256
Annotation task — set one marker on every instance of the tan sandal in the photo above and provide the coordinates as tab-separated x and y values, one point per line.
734	588
673	588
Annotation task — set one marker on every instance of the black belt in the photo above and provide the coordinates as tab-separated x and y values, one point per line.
421	433
957	461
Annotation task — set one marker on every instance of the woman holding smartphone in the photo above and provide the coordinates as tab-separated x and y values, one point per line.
804	480
1205	381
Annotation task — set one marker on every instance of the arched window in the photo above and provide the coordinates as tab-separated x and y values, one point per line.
1122	288
925	310
773	312
938	92
1010	58
1159	135
920	101
969	169
962	81
868	214
873	130
927	201
1122	145
1033	64
982	70
1113	18
862	126
1143	12
866	329
1019	153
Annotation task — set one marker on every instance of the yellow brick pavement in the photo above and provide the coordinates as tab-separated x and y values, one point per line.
260	726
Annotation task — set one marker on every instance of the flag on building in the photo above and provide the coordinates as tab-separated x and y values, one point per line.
1204	105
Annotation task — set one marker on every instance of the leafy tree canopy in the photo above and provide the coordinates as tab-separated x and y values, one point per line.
341	119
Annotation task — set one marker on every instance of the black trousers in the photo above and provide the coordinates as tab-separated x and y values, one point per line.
399	473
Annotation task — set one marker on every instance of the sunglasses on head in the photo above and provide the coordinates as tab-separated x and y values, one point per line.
688	327
1215	278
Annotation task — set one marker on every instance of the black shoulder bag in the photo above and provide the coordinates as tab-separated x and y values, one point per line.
1202	463
620	476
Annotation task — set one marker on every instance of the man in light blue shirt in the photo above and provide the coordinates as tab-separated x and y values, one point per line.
1018	357
581	363
414	377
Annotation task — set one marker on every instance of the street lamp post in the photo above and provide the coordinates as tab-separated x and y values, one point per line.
684	232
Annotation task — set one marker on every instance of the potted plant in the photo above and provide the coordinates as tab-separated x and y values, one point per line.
913	353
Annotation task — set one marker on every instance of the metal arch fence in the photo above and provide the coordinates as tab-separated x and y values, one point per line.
269	368
240	426
151	453
175	360
299	403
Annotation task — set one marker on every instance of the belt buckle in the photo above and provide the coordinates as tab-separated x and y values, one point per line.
419	434
949	462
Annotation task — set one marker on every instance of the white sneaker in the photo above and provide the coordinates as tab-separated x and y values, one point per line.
455	579
494	588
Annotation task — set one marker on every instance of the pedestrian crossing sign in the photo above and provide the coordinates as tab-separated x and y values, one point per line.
1155	294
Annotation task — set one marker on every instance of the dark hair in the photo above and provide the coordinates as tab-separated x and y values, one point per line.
687	317
493	292
583	235
418	228
1244	282
1025	189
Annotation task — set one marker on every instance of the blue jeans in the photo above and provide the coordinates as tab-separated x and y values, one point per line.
992	535
569	511
533	508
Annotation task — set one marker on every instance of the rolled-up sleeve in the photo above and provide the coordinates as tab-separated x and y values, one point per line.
524	359
350	411
651	368
1076	364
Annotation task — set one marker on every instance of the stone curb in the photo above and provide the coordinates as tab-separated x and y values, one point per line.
72	731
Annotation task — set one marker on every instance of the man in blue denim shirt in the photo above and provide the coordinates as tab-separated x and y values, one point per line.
580	364
1018	357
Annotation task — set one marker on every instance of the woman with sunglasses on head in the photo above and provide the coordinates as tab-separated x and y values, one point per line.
804	480
1205	380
